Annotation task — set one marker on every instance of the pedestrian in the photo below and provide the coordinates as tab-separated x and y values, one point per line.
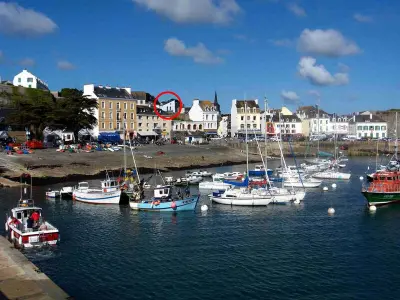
35	218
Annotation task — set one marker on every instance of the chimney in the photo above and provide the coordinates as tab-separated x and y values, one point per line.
256	101
370	116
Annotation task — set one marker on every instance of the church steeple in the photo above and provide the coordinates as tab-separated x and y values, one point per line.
216	102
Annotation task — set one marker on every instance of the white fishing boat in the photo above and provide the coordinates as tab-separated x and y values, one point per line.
66	191
214	185
302	183
199	173
110	193
227	176
52	194
331	174
25	226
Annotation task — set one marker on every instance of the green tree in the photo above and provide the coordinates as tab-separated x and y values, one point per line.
74	112
33	109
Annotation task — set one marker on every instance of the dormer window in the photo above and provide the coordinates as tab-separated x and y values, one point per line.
242	110
254	109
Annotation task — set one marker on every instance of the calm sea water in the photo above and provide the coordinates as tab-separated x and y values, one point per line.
274	252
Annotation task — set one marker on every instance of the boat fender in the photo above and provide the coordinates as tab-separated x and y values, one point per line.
105	190
6	226
12	234
20	240
173	205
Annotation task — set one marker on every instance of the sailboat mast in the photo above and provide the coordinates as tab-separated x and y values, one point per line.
124	147
317	131
247	145
265	132
396	143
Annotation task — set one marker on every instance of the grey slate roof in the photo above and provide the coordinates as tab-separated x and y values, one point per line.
112	93
250	103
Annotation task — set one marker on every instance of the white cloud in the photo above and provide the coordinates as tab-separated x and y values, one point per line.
199	53
362	18
244	38
296	9
343	68
16	20
282	42
318	75
27	62
65	65
194	11
289	97
328	42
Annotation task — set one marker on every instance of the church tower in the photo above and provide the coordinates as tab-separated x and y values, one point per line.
216	103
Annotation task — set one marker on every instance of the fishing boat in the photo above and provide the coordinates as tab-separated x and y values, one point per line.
304	182
110	193
66	192
164	201
52	194
259	170
227	176
22	230
384	188
188	180
214	185
198	173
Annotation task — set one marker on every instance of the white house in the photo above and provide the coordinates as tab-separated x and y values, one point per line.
171	106
240	119
314	119
206	112
368	126
338	125
28	80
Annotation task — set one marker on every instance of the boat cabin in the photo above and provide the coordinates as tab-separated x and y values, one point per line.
385	182
259	168
109	185
83	186
162	192
24	211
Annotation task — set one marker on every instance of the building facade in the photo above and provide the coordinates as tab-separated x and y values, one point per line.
245	114
338	125
224	126
149	124
116	106
171	106
207	112
368	126
314	120
28	80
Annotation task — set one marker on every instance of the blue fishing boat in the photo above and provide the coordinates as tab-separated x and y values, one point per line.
259	171
164	201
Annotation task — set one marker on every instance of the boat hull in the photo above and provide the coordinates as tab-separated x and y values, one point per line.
379	199
186	204
213	186
97	197
33	239
328	175
251	201
306	184
260	173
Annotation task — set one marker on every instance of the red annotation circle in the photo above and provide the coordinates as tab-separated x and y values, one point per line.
168	93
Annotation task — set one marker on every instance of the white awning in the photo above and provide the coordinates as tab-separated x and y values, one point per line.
147	133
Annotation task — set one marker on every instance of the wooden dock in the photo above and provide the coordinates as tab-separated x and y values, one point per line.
21	279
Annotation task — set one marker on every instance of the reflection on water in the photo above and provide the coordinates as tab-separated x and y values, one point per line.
273	252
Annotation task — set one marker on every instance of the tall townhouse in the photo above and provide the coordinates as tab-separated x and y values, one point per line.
245	113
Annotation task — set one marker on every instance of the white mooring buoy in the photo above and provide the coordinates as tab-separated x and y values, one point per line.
204	207
325	188
372	208
334	185
331	210
361	178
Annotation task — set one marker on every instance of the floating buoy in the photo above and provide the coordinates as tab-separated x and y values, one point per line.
325	188
361	178
334	185
173	205
372	208
331	210
297	201
204	207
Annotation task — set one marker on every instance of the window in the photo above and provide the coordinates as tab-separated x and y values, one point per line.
152	117
176	127
118	105
155	125
377	127
293	125
140	124
165	125
359	134
371	127
103	104
131	116
103	114
118	116
359	127
293	131
377	134
110	115
140	117
254	126
110	126
254	118
326	121
241	126
19	79
124	116
383	128
30	79
383	134
131	125
131	105
118	126
365	134
103	126
248	126
241	118
110	105
248	118
206	117
147	124
365	128
125	105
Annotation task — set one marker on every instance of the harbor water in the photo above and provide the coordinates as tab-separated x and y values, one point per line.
273	252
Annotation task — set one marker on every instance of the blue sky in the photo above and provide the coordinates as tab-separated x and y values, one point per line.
342	53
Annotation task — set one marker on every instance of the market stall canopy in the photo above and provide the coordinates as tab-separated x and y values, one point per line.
147	133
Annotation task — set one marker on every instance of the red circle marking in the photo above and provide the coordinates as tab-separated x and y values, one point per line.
168	93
